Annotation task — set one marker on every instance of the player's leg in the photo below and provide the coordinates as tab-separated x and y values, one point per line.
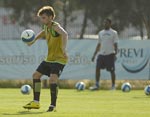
42	69
36	92
99	66
53	91
97	77
36	86
113	78
56	70
110	66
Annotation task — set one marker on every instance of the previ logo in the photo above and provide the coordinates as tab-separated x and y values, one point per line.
134	60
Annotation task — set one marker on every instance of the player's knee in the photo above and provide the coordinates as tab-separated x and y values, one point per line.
112	72
36	75
53	78
97	70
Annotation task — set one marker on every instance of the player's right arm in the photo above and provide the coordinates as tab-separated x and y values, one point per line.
96	51
97	47
38	36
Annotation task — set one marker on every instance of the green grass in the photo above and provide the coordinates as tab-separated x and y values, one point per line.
71	103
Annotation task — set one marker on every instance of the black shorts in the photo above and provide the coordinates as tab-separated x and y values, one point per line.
47	68
106	62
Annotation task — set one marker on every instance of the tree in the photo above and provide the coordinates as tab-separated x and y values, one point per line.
86	7
113	9
86	15
123	13
66	7
24	12
141	15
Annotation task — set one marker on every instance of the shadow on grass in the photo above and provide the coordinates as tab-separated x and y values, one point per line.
23	113
141	97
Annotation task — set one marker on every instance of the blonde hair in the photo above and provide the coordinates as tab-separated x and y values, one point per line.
48	10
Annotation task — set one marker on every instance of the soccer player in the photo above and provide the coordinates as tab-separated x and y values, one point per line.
56	38
107	50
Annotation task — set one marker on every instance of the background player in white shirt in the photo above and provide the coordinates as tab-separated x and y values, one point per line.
106	49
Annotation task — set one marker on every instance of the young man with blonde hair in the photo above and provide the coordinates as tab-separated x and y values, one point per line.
56	38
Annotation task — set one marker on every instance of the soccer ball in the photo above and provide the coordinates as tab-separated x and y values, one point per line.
26	89
80	86
126	87
27	36
147	90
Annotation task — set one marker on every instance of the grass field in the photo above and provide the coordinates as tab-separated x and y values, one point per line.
71	103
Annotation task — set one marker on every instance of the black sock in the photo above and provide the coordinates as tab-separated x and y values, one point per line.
36	89
53	91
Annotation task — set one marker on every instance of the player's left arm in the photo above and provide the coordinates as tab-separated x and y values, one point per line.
116	42
116	48
64	35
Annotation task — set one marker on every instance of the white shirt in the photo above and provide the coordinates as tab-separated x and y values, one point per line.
107	38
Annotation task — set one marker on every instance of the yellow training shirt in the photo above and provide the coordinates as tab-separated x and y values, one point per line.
55	45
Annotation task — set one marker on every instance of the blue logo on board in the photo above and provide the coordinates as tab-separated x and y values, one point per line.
134	60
